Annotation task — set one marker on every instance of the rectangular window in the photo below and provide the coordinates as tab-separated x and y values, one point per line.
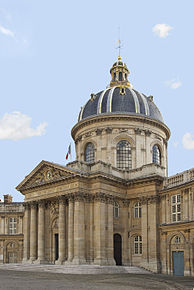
176	207
12	225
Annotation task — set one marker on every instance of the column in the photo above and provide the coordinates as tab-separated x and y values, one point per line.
79	231
26	233
125	254
100	230
144	230
110	248
61	259
153	234
163	209
33	234
41	233
70	229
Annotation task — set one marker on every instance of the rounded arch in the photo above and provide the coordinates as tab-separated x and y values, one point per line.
117	238
10	244
123	136
172	235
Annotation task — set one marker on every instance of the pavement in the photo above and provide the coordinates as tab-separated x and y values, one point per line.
51	277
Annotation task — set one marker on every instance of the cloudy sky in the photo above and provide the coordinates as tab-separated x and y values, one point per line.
54	54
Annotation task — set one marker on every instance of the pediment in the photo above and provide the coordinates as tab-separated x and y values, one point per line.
45	172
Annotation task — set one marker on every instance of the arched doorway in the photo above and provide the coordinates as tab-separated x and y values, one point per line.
118	249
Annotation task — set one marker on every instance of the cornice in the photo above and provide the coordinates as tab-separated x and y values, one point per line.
131	117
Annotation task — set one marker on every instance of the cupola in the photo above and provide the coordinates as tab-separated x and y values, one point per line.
119	75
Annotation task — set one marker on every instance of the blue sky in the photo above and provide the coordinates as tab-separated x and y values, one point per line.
54	54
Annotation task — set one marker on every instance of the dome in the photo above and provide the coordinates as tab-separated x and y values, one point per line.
120	98
117	100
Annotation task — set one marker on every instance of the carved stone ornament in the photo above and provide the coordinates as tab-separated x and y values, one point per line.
126	203
148	132
99	132
54	208
100	196
122	130
137	131
41	204
33	204
108	130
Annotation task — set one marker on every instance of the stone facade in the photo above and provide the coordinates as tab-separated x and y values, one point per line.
93	211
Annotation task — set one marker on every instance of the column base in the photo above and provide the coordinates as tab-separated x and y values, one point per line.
102	262
31	260
59	262
40	261
111	262
78	261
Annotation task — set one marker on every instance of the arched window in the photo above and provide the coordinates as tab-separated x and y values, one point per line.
124	155
89	153
137	245
120	76
177	240
137	210
114	77
156	155
116	210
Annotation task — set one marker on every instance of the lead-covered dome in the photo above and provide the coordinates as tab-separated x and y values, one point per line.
120	98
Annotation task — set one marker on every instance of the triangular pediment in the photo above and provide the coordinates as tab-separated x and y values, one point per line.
46	172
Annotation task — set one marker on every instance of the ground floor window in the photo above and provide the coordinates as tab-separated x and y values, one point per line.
137	245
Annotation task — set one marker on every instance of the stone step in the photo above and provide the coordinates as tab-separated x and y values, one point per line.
76	269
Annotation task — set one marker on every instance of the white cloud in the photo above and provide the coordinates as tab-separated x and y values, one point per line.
16	126
188	141
174	84
162	30
6	32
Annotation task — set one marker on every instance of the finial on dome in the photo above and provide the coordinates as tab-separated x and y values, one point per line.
119	57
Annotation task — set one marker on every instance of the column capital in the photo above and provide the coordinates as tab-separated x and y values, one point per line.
100	196
41	204
26	205
62	200
33	204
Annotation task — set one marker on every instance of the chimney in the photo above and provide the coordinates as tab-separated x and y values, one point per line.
7	198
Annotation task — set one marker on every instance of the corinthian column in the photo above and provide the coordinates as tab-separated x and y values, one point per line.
26	233
41	233
110	252
61	258
79	231
33	235
70	229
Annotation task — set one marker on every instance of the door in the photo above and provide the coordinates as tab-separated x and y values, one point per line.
12	257
56	247
118	249
178	263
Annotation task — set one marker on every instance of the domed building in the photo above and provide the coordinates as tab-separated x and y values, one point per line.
115	204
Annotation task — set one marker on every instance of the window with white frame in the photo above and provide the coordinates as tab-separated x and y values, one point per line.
176	207
12	225
116	210
137	245
177	240
137	210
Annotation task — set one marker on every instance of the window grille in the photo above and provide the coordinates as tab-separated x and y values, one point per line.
124	160
156	155
89	153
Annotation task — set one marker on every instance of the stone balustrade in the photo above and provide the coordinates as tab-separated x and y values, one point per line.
179	179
